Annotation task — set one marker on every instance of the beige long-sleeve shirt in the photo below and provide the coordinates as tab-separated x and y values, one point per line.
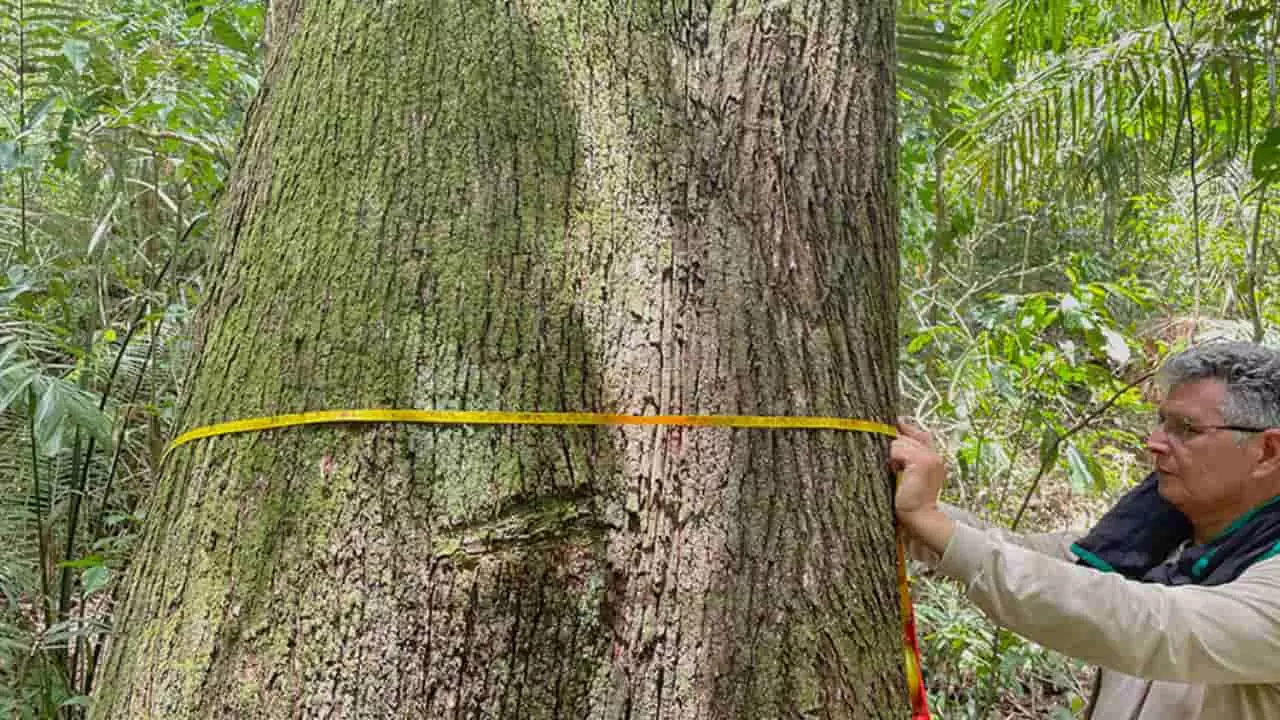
1166	653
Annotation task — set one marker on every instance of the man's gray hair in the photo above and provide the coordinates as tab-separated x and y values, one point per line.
1250	372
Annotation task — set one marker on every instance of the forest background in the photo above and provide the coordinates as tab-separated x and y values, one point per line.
1083	187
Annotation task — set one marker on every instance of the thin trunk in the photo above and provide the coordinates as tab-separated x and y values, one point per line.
636	208
938	255
1254	269
941	230
23	231
39	504
1256	255
940	249
1183	61
1274	27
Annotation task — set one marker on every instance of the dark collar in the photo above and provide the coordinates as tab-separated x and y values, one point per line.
1137	537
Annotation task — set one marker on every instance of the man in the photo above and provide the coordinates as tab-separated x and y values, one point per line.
1176	592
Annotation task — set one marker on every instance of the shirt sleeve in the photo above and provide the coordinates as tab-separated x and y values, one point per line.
1054	544
1223	634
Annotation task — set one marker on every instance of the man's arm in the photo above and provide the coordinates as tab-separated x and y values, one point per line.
1056	545
1222	634
1216	635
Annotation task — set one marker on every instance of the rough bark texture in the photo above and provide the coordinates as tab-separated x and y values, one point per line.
632	207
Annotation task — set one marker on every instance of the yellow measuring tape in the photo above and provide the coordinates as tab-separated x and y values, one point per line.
915	681
499	417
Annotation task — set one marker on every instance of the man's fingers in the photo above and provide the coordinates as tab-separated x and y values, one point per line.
906	449
906	429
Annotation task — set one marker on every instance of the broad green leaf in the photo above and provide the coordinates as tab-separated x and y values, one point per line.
88	561
8	155
1048	448
95	578
1000	380
47	421
996	459
62	405
228	36
36	116
1095	469
1265	160
104	225
919	342
1115	346
1241	15
1078	470
77	53
15	381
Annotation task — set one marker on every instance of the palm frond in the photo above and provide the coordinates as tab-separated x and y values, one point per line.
1098	116
37	41
34	35
928	56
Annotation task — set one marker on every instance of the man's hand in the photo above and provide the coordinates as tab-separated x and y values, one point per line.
921	474
921	470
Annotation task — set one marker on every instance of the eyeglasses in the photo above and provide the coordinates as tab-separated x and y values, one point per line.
1182	429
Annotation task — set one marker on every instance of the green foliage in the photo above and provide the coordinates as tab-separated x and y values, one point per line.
955	646
41	51
1085	98
1264	162
1092	192
1012	374
117	122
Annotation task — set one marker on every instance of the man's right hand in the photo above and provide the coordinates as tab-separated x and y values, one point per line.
921	470
921	475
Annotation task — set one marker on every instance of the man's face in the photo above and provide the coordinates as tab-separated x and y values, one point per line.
1204	471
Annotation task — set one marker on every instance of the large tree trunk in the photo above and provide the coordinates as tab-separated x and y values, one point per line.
635	207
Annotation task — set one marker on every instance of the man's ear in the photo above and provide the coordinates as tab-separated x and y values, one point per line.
1268	452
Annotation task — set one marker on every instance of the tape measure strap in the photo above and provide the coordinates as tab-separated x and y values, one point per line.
499	417
915	680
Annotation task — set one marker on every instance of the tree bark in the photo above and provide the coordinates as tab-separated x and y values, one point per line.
632	207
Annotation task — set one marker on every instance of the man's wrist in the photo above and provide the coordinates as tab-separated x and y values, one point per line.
930	526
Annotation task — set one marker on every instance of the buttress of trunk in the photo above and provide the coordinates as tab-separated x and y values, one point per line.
639	208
